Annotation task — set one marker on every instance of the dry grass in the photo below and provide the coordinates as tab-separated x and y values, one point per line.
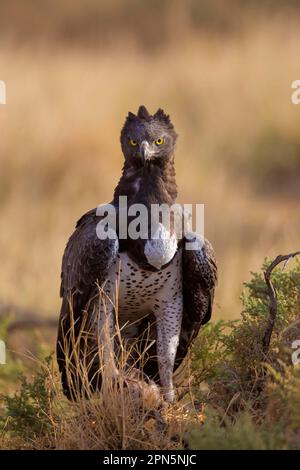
114	421
128	414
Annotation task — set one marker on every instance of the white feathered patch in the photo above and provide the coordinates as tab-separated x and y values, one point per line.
160	249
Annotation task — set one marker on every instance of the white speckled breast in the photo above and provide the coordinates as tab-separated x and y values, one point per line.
142	292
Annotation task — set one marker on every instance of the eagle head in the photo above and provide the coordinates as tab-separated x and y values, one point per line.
148	138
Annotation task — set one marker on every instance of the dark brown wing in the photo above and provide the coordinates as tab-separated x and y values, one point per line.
86	262
199	272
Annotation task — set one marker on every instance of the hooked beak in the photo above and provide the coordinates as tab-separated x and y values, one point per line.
145	151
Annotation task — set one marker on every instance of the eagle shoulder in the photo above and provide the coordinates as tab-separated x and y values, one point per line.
86	258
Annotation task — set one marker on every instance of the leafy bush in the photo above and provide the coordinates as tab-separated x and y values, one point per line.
252	401
210	350
241	434
26	413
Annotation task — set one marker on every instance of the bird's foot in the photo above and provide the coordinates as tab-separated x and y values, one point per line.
142	389
169	394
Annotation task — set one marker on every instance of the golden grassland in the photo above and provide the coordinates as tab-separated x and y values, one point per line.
60	152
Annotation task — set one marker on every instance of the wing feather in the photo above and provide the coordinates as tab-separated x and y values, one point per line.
199	280
86	262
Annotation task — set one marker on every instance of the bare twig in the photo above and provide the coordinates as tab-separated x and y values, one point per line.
273	297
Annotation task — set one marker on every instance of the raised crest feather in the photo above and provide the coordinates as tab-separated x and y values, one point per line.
143	113
162	116
131	116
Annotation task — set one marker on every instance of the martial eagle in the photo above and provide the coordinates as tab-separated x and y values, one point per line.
163	288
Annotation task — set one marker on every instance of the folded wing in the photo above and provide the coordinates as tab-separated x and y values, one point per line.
86	263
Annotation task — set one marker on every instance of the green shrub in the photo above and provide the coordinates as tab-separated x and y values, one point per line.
26	413
251	400
240	434
210	350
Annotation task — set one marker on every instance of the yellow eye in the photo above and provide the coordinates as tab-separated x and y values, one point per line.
133	143
159	141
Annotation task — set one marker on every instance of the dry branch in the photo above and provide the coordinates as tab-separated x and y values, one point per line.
273	297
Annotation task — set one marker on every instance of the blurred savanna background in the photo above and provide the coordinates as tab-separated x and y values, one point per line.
222	69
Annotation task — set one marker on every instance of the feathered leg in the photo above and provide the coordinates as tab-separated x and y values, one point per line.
168	331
